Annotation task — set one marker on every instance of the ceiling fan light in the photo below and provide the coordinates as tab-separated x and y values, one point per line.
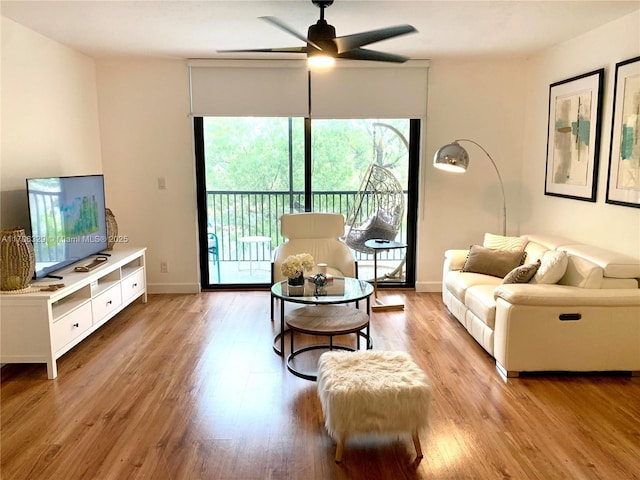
320	61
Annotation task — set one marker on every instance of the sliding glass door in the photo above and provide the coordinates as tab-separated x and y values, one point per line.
361	168
252	170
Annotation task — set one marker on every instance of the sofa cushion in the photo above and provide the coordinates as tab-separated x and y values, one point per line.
581	273
492	262
615	265
479	299
535	251
619	283
458	282
454	259
523	273
500	242
553	267
551	242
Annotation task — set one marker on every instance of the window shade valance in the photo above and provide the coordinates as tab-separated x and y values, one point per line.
280	88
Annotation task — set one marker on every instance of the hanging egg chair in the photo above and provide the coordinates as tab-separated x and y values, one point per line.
377	209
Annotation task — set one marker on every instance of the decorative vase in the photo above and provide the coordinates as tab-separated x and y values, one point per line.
296	286
320	281
17	259
112	229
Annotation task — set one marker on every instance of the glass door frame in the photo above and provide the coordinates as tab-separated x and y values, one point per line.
411	210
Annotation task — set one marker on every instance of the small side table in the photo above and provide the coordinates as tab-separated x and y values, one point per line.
354	290
254	239
329	321
378	245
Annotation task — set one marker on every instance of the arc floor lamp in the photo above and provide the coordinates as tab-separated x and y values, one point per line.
454	158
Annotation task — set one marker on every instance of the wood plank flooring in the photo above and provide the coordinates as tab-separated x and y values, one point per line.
188	387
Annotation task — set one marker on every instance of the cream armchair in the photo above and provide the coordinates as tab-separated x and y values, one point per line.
318	235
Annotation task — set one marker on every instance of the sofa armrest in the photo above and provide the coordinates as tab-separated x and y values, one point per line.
562	295
562	328
454	259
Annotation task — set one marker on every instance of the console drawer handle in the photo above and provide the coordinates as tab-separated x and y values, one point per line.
570	316
77	325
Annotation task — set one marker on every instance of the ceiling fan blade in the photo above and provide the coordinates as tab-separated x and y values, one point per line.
357	40
283	26
363	54
271	50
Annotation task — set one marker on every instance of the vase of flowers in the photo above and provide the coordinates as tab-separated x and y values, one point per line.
293	268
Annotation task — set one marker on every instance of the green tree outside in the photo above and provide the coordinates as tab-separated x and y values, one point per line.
252	153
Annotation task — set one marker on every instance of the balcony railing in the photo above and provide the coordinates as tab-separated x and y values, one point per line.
233	215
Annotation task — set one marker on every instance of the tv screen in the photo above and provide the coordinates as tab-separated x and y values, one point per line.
68	220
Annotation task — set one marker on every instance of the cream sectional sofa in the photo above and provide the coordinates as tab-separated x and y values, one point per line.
588	321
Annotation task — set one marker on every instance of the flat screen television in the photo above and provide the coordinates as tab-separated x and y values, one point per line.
68	220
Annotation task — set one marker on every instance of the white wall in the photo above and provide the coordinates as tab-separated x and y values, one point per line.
481	100
609	226
147	134
51	126
49	116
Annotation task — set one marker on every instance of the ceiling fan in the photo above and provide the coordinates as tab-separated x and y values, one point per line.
323	46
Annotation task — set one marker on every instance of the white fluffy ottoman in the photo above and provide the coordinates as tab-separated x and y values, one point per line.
372	392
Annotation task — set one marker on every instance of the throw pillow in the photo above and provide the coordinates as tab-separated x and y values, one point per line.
379	226
501	242
522	274
488	261
553	267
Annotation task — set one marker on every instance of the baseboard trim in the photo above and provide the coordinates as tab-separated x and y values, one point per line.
504	373
433	286
180	288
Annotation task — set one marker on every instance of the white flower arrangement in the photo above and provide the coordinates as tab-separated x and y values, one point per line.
295	265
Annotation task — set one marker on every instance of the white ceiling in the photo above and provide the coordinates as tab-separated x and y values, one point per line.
196	29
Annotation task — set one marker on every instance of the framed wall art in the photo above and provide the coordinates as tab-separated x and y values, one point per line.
623	184
573	138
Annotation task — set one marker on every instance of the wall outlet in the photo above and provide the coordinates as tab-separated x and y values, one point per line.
164	268
162	183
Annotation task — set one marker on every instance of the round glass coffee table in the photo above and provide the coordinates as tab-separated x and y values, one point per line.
323	315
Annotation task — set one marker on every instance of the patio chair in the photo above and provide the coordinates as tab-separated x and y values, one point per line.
317	234
377	212
214	250
377	209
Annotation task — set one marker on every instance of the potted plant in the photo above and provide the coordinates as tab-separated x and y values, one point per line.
293	268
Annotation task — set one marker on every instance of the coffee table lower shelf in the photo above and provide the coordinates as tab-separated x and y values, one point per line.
327	321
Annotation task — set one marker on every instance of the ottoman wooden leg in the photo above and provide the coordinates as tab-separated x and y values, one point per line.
416	443
339	450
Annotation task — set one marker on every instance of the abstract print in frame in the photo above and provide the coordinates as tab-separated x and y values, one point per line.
623	185
573	139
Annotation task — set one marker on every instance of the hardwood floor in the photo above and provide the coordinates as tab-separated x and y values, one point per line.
188	387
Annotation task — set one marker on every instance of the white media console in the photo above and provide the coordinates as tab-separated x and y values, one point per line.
41	326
